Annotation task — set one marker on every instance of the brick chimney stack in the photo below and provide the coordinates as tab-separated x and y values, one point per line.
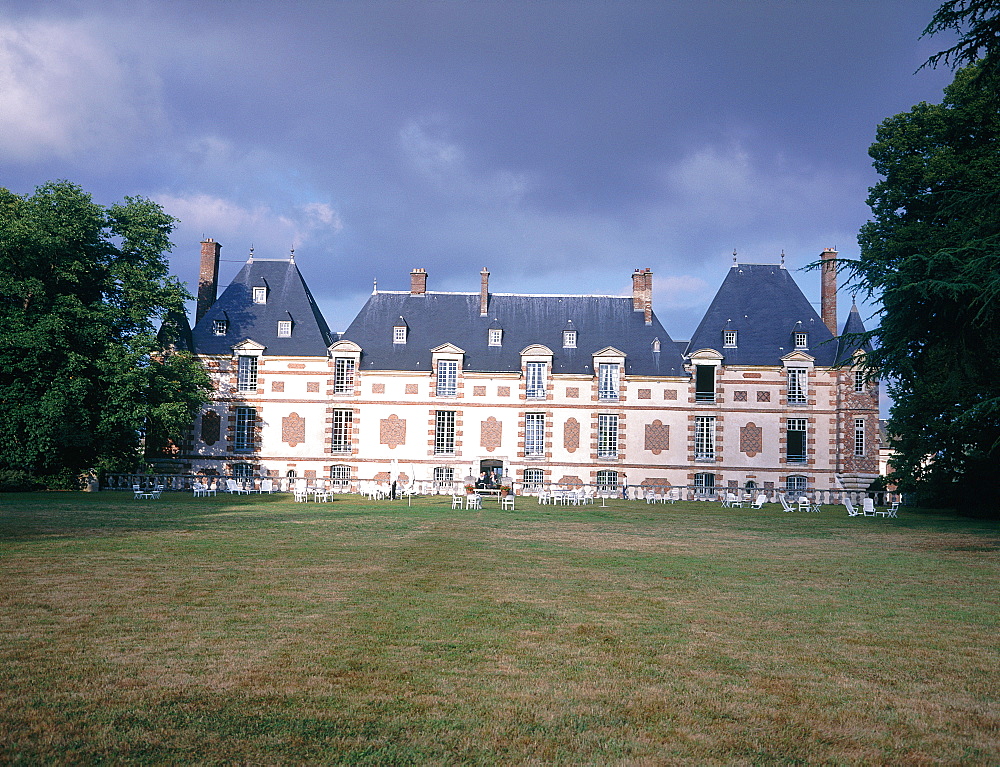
208	277
484	291
642	293
418	282
828	288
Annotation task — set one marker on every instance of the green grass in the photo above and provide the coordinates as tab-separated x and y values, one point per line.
257	630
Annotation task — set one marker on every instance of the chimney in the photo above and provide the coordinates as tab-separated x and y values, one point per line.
828	288
418	282
484	291
647	307
208	277
642	293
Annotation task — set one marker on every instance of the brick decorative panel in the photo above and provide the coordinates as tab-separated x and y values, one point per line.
657	437
277	386
569	480
478	391
763	396
378	388
412	388
310	473
571	435
293	429
572	392
490	434
670	394
312	386
751	439
655	482
211	427
739	396
503	391
645	393
382	476
296	366
392	431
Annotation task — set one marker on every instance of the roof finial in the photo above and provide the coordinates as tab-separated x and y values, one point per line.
251	253
374	285
734	256
291	256
782	256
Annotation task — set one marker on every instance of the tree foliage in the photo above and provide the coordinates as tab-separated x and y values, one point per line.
931	254
83	376
978	25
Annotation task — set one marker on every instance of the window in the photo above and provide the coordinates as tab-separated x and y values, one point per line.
242	470
607	480
260	295
859	380
399	334
704	438
534	435
607	381
533	479
444	474
343	375
246	418
704	383
729	338
801	340
795	440
284	328
796	385
219	327
496	336
704	481
607	436
569	339
291	474
447	378
796	482
750	486
246	373
534	379
859	436
444	432
341	476
340	438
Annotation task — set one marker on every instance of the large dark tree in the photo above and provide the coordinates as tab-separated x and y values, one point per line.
84	380
931	254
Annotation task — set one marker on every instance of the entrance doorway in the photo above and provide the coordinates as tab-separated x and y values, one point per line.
493	469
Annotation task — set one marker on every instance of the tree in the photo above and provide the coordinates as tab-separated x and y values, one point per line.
931	254
83	376
978	25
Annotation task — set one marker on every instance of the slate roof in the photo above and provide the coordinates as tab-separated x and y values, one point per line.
762	303
434	319
288	298
850	340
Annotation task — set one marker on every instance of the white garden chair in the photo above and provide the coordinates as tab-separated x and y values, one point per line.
784	503
851	510
868	507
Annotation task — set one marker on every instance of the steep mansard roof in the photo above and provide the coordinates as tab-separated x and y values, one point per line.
433	319
288	298
850	340
765	307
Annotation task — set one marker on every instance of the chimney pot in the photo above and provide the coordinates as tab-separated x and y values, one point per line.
418	282
208	277
828	288
484	292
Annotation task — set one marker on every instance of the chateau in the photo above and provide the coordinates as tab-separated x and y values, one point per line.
562	389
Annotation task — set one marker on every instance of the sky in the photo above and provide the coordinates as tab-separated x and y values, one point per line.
559	144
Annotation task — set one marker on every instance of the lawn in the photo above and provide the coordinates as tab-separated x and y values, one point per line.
257	630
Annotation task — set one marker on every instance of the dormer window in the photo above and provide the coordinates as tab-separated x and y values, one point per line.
729	338
284	328
219	327
260	295
569	339
656	346
399	334
495	336
801	340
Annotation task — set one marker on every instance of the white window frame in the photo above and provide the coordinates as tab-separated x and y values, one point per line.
243	433
533	479
859	437
701	394
284	328
704	437
801	339
343	375
260	295
246	373
607	479
607	435
797	382
859	381
242	470
534	435
799	426
444	432
446	378
729	338
704	480
220	327
340	476
399	334
795	483
341	432
569	339
534	380
496	337
444	474
608	380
